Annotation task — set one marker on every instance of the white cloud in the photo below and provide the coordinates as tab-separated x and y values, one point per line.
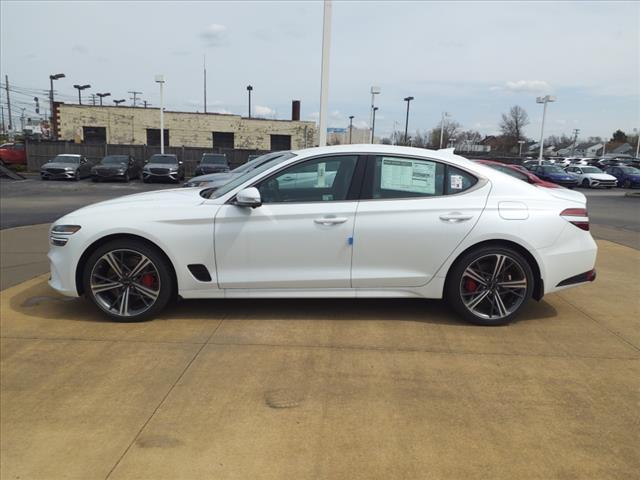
221	110
262	111
214	34
527	86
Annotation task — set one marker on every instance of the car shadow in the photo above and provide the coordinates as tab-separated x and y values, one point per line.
41	301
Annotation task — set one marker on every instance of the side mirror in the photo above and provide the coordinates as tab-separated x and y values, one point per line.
249	197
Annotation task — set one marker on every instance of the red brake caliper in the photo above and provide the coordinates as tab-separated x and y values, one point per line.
470	285
147	280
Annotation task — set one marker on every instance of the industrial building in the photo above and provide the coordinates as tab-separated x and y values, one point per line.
91	124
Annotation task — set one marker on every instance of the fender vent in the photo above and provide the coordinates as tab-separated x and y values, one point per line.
200	272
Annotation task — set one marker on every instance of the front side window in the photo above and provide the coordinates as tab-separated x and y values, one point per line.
324	179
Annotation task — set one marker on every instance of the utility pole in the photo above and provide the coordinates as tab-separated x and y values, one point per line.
2	114
93	99
204	67
576	131
324	73
135	97
6	84
146	103
22	121
350	128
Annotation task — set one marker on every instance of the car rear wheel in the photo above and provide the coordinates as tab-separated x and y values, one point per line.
128	280
490	285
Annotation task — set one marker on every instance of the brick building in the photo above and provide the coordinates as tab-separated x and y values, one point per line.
141	126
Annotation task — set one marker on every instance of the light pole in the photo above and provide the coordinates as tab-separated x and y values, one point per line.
520	142
373	124
350	128
576	131
374	91
546	99
118	102
80	88
160	80
442	120
406	123
635	130
249	90
102	95
324	72
57	76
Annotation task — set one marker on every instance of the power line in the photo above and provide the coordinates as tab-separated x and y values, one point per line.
135	97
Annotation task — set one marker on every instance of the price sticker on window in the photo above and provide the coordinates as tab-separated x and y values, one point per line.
456	182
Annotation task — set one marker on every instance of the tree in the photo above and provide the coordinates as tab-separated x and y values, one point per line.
450	131
512	125
619	136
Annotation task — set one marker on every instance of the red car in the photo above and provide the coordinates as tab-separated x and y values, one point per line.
518	172
13	154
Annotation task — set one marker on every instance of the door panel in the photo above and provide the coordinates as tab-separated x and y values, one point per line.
305	245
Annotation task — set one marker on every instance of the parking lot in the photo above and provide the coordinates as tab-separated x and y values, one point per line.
315	388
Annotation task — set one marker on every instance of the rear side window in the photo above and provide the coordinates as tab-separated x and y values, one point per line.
391	177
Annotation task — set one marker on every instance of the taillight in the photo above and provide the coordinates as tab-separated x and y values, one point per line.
577	216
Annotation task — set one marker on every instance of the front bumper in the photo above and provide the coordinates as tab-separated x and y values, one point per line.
602	183
108	176
160	177
67	175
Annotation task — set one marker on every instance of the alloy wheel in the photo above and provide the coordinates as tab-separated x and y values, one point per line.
125	282
493	286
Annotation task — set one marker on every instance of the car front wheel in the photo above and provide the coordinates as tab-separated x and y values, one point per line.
128	280
490	285
585	183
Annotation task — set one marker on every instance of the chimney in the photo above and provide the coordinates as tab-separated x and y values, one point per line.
295	110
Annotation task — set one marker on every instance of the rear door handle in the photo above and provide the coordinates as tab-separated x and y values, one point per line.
330	220
455	217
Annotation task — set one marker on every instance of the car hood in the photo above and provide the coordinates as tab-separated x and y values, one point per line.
59	165
161	165
213	168
600	176
560	176
111	166
155	200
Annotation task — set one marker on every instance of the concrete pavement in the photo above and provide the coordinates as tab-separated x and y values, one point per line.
324	388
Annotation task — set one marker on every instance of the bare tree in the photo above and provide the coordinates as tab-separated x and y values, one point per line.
450	131
512	125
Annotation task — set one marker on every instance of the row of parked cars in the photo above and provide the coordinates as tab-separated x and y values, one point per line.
159	167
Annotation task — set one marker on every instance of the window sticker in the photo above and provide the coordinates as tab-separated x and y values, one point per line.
456	182
408	175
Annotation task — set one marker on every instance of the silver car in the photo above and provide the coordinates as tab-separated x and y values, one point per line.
66	166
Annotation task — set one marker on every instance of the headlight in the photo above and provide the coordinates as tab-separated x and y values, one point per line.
60	234
69	169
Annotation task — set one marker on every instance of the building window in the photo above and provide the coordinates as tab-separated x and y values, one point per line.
280	142
223	139
153	137
94	134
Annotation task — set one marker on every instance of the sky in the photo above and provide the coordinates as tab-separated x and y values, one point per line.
473	60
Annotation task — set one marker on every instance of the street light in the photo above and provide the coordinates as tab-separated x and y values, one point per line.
444	116
80	88
102	95
374	91
521	142
406	124
635	130
57	76
249	89
373	124
350	128
118	102
546	99
160	80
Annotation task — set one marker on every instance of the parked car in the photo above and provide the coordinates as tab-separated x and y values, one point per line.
116	167
162	168
215	180
592	177
13	154
518	172
212	163
555	174
66	166
530	163
628	177
378	221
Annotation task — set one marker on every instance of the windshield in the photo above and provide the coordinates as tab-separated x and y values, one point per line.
256	162
214	159
114	159
629	170
552	169
591	170
239	180
163	159
66	159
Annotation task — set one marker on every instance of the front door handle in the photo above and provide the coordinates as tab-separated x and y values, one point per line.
330	220
455	217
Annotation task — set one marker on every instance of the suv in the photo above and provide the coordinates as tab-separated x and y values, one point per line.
163	167
555	174
212	163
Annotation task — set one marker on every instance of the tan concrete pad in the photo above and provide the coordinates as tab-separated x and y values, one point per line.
71	408
287	412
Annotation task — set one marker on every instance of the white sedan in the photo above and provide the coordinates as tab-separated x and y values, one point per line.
592	177
347	221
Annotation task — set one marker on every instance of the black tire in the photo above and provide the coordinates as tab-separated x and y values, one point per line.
76	176
585	183
94	180
144	180
626	184
126	178
454	285
166	285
